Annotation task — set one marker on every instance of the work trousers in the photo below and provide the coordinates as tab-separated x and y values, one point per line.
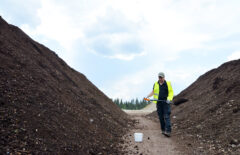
164	111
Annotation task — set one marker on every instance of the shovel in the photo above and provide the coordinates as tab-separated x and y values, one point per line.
176	103
147	99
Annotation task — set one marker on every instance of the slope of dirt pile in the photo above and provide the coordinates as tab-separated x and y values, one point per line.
47	107
209	122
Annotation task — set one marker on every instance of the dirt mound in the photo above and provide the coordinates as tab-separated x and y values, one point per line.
47	107
209	121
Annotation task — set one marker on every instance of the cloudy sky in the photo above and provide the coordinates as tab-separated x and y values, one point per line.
121	45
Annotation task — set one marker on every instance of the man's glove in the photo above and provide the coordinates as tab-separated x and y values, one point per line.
168	102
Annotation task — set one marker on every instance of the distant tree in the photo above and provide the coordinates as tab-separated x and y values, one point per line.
131	105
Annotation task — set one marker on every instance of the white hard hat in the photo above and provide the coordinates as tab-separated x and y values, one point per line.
161	74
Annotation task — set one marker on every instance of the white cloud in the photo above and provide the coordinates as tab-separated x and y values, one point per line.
126	57
163	27
234	56
56	24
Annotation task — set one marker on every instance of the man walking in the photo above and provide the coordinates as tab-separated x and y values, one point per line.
163	92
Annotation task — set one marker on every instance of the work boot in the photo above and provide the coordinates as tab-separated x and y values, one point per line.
167	134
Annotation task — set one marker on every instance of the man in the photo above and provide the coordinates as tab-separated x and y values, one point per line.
163	92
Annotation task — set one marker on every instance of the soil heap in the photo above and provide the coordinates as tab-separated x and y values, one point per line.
209	122
47	107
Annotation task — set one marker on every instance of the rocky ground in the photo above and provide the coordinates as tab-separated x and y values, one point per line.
47	107
209	122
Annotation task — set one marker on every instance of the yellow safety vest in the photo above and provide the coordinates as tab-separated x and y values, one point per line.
156	91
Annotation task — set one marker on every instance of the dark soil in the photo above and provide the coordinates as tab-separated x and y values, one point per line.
47	107
208	122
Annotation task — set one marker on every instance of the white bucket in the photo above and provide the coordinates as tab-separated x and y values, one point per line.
138	137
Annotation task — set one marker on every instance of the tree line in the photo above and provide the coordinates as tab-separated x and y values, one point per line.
131	105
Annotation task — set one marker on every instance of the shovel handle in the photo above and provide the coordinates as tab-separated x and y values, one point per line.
147	99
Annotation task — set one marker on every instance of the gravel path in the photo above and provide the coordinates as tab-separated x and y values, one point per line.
154	143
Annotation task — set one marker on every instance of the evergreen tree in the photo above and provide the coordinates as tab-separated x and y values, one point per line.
131	105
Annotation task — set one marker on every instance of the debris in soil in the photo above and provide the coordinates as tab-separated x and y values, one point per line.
209	121
46	107
136	147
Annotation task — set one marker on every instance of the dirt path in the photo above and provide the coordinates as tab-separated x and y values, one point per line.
154	143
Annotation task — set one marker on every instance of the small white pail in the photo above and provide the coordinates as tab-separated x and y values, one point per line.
138	137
